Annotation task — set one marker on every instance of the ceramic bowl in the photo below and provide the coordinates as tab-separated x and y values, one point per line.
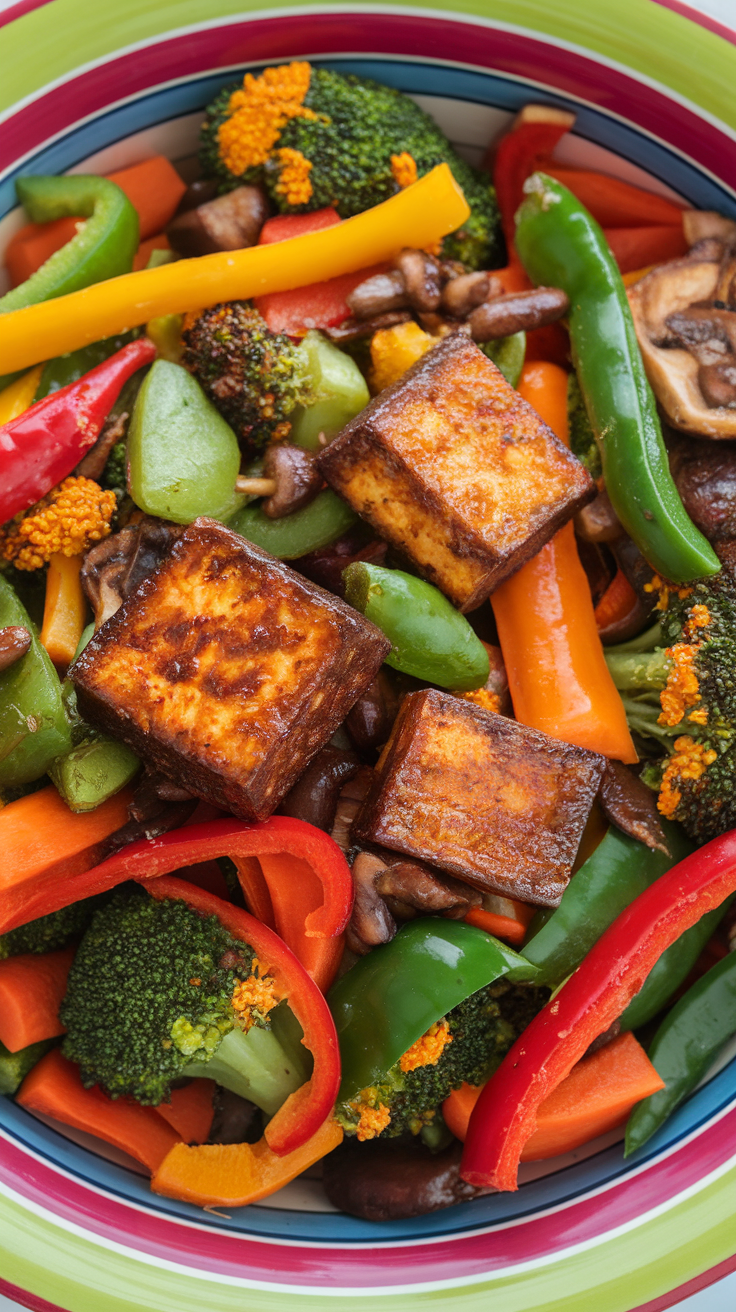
91	88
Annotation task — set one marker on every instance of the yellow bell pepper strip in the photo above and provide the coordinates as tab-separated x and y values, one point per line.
418	216
18	396
64	609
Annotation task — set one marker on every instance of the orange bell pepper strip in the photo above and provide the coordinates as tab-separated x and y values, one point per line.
596	1097
420	215
53	1088
64	611
558	677
235	1174
308	1107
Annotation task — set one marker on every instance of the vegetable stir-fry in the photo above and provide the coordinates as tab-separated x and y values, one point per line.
366	653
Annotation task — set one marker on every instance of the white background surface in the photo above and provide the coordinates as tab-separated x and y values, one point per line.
720	1297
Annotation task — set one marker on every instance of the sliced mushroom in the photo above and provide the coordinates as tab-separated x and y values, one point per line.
410	888
351	798
352	330
158	806
15	641
706	480
517	312
378	295
422	278
631	806
371	922
387	1179
370	720
296	476
227	223
314	796
116	567
698	224
463	294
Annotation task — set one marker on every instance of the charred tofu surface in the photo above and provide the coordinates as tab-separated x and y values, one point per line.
499	805
455	469
227	670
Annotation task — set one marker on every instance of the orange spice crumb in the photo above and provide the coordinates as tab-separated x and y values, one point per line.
254	997
682	687
259	112
665	589
404	169
294	183
427	1050
483	697
689	760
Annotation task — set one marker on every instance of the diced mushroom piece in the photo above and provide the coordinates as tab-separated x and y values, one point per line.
349	803
296	476
698	224
706	480
352	330
378	295
370	721
327	565
158	806
386	1180
452	467
314	796
411	888
227	223
15	641
463	294
371	922
517	312
422	278
498	805
227	670
116	567
630	805
679	294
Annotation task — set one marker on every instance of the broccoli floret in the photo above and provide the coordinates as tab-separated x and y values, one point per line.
52	931
315	138
678	685
115	473
582	437
471	1042
254	377
157	992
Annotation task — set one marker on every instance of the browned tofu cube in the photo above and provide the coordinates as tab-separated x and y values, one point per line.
455	469
227	670
497	804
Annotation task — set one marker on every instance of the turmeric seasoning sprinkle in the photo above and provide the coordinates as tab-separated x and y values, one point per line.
254	997
404	169
372	1119
259	112
483	697
689	760
664	589
294	182
68	520
682	688
427	1050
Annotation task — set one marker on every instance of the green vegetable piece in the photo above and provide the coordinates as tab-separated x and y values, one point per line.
14	1066
324	520
429	638
507	353
69	368
103	248
93	771
685	1046
253	1065
339	389
561	245
165	331
582	437
33	725
671	970
390	998
52	931
183	458
616	873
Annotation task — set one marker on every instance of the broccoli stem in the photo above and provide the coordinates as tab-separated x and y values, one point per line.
638	671
264	1065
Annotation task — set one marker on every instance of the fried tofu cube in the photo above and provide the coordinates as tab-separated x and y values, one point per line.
499	805
227	670
457	471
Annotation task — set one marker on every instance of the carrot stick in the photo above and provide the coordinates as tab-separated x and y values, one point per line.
504	918
635	247
558	677
235	1174
32	988
618	600
49	842
596	1097
190	1110
64	611
617	204
53	1088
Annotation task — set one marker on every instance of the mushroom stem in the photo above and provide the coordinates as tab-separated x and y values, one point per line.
256	487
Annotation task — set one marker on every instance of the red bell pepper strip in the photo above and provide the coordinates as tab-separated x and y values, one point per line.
306	895
319	305
307	1108
505	1115
524	150
43	445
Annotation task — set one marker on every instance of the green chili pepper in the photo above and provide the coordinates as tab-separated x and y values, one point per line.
317	525
562	246
671	970
685	1046
70	368
14	1066
429	638
616	873
103	248
34	729
507	353
390	998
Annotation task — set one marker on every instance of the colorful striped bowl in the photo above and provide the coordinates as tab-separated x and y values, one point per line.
652	87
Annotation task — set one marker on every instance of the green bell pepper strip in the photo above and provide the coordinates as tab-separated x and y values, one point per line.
685	1046
34	729
671	970
617	871
561	245
323	521
103	248
507	353
390	998
429	638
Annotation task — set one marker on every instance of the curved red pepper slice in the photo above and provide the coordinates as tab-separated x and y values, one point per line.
43	445
592	999
302	887
307	1108
523	151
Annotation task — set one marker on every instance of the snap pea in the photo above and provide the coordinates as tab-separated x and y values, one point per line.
429	638
507	353
317	525
685	1046
561	245
34	729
